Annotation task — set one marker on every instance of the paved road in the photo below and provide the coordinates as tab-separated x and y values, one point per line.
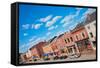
84	56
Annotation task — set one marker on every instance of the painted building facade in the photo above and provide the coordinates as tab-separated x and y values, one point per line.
47	49
37	50
34	52
74	42
70	44
81	38
90	26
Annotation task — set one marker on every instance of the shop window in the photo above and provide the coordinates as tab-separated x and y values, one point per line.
70	50
62	51
94	42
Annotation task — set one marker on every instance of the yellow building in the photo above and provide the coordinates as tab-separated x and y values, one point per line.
47	49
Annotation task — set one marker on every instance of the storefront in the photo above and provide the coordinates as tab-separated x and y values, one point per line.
84	45
73	51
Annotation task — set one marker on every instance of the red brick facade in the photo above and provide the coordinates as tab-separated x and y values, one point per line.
37	49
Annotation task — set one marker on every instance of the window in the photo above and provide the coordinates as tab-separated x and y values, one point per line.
70	50
76	37
65	41
68	39
71	39
91	34
88	27
83	35
62	50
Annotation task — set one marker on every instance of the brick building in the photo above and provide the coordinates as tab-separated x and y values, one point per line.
70	44
37	49
80	36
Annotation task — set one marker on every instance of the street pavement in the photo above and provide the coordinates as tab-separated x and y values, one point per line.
84	56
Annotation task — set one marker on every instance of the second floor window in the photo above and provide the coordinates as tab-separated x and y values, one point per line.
91	34
83	35
88	27
65	41
68	39
71	39
76	37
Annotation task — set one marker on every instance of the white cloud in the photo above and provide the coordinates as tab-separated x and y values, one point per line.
36	41
79	9
32	26
46	18
52	27
22	46
32	39
89	11
56	26
70	18
65	24
50	23
36	26
67	20
25	26
73	26
31	43
83	18
43	38
59	32
25	34
48	33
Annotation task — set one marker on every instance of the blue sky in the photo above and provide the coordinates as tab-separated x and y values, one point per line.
39	23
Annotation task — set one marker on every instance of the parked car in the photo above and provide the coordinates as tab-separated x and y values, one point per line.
46	57
63	57
56	57
74	55
35	58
